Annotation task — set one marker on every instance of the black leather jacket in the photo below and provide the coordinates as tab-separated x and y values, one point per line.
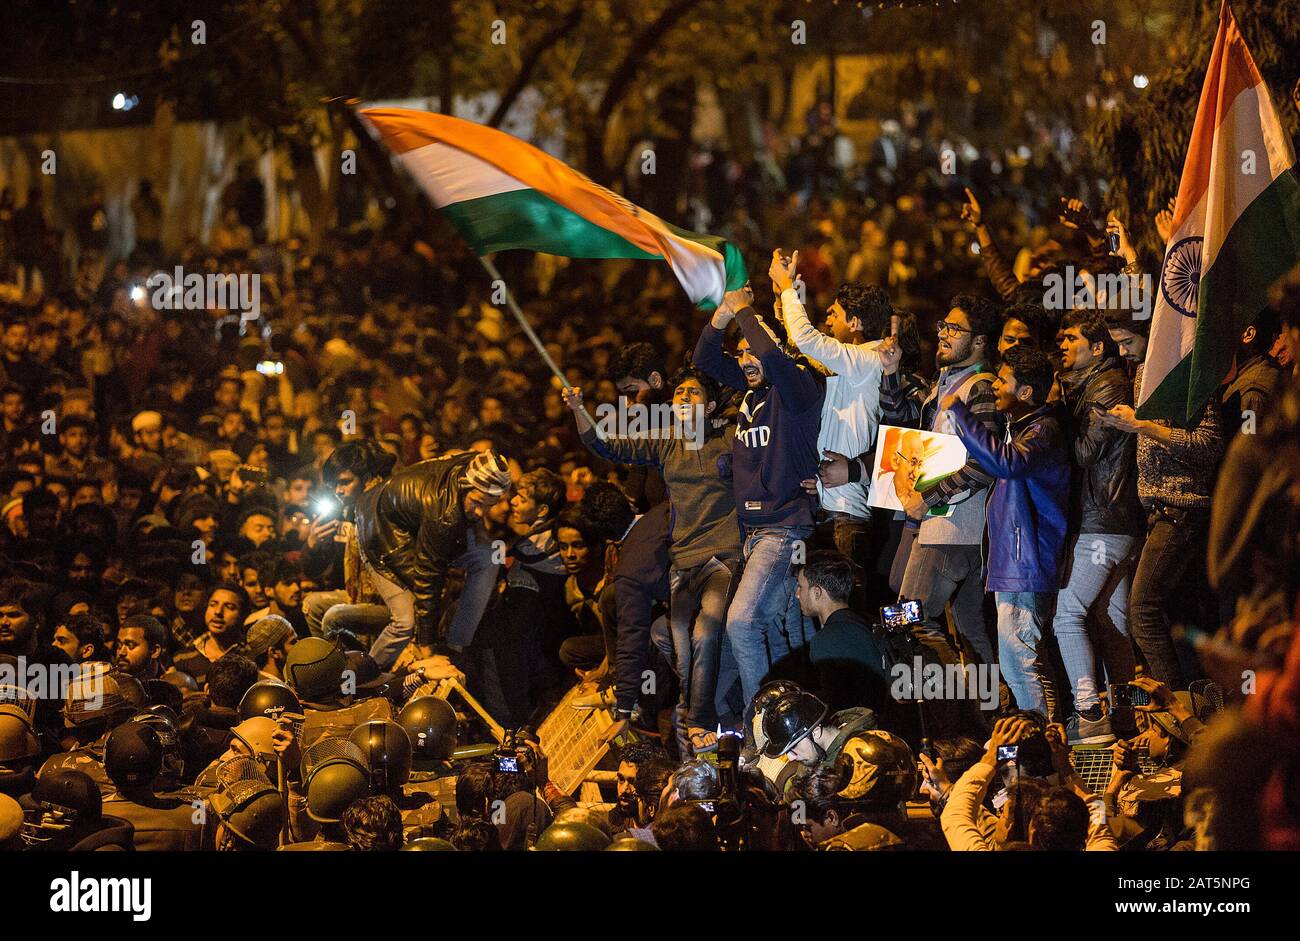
412	526
1103	485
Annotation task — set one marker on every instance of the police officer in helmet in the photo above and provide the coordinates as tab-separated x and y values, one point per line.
141	759
65	811
268	699
388	752
856	801
796	726
431	726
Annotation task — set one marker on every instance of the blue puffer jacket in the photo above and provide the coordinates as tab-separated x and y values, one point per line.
1028	505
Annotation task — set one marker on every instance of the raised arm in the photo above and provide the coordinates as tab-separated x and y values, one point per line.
645	451
1100	836
999	270
639	450
711	358
959	819
856	362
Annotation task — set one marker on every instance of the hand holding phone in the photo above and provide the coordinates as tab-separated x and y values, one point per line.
1003	744
1151	695
1127	695
321	530
900	616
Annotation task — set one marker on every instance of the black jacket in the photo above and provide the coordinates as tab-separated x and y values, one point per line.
1103	481
412	526
640	579
849	665
1251	390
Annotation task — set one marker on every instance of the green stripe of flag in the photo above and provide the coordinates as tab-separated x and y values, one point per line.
530	220
1169	399
732	258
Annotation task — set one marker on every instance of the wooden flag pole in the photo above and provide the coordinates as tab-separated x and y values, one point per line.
495	275
491	269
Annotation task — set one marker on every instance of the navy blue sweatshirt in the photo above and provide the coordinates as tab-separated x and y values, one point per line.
776	432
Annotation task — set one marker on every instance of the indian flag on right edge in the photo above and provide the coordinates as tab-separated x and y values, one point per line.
1236	230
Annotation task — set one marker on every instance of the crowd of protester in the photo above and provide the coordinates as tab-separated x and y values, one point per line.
261	544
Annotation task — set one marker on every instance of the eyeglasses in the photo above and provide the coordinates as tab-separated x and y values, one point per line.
946	326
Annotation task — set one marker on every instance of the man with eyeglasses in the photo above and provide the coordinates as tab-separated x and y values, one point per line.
945	522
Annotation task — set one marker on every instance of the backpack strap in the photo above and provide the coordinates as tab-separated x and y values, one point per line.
963	390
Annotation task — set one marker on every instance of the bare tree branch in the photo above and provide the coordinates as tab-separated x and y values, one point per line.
531	60
643	44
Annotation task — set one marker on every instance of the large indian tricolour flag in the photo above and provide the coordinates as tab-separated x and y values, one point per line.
503	193
1236	229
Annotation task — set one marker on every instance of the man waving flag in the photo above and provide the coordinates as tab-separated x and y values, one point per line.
502	193
1236	229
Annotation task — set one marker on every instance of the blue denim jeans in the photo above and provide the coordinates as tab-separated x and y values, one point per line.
764	622
328	612
1022	618
697	617
661	636
937	575
480	578
1101	565
316	603
392	640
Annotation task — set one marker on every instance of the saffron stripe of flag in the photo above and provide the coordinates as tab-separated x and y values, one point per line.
502	193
